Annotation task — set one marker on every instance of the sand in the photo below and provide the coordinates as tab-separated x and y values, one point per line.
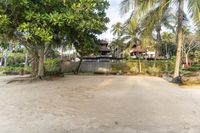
98	104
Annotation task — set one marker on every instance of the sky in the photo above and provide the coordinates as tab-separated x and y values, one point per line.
114	15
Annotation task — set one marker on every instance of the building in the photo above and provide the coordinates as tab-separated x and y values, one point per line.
104	49
138	52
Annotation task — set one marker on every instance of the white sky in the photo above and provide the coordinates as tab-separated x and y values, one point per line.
114	14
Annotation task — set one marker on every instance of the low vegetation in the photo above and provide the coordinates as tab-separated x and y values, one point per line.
132	67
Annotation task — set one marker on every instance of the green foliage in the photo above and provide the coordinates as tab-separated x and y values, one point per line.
3	22
14	59
120	67
194	68
197	57
38	24
14	69
154	71
132	66
53	65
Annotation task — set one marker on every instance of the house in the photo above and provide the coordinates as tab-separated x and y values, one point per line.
138	52
104	49
104	55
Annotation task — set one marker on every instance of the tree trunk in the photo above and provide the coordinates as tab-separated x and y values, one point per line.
139	64
62	58
166	51
34	64
158	30
186	61
5	58
41	62
180	39
26	59
79	66
1	63
62	51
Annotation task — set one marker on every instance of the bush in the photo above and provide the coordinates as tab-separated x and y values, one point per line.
197	57
190	70
134	70
53	65
194	68
120	68
192	78
15	70
154	71
147	67
14	59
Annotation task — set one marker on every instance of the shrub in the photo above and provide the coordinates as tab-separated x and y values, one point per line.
197	57
134	70
53	65
120	68
147	67
14	69
194	68
14	59
153	71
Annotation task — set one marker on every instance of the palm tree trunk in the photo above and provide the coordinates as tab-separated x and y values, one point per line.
158	29
180	39
140	65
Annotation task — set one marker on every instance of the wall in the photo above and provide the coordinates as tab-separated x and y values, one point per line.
88	66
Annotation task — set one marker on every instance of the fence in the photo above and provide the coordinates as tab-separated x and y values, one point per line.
88	66
116	66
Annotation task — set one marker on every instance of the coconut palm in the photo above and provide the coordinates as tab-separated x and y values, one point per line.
142	6
150	22
168	44
131	35
117	29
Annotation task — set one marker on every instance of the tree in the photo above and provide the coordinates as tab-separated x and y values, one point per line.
86	45
117	29
117	47
131	35
154	20
191	42
40	24
141	6
91	23
168	45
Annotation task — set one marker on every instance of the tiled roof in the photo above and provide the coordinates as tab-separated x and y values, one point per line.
104	49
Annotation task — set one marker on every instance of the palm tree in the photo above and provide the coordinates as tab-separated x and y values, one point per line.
117	47
117	29
169	40
142	6
151	22
131	35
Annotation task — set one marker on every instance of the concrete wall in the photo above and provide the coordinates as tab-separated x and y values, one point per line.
89	66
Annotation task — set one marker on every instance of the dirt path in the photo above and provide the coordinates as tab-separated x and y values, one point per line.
99	104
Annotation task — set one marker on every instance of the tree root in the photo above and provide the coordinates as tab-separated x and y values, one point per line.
22	79
33	79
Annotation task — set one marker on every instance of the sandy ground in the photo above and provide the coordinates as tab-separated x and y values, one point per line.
99	104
